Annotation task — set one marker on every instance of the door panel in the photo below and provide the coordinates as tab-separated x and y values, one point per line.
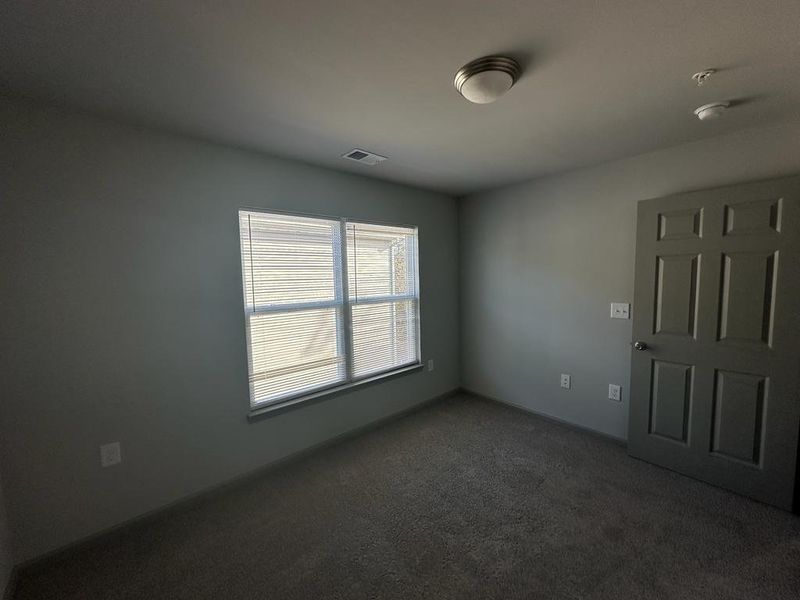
746	297
738	415
670	400
759	217
680	224
717	294
676	294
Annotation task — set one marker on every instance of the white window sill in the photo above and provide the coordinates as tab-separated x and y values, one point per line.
259	412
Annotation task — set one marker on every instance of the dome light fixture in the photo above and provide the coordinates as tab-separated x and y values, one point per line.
485	79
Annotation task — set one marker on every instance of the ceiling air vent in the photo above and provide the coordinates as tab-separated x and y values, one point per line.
364	157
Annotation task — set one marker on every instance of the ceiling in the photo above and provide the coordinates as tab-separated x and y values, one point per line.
311	79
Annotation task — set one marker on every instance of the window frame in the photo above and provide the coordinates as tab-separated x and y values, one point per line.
343	304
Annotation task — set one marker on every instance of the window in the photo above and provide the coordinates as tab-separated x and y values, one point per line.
328	302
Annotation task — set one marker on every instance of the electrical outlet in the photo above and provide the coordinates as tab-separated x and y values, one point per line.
430	365
110	454
614	392
566	381
620	310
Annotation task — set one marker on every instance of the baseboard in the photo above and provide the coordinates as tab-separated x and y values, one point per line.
549	418
11	585
207	493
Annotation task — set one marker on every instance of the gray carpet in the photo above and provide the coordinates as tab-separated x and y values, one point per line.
463	499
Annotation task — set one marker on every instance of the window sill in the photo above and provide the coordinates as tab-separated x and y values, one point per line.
261	412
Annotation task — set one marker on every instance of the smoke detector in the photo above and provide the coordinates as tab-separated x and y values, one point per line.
485	79
711	111
363	157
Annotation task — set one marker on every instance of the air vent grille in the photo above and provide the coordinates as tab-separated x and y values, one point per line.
364	157
357	155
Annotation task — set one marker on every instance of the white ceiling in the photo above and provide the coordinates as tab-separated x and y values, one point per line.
311	79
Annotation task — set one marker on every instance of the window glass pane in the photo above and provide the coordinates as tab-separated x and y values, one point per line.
381	261
288	260
294	352
384	336
292	276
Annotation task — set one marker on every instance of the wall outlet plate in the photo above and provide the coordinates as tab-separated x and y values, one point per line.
566	381
620	310
614	392
110	454
430	365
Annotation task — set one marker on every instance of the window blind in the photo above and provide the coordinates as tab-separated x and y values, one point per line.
382	277
293	304
315	320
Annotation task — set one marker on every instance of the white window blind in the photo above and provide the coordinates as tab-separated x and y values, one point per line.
382	277
315	320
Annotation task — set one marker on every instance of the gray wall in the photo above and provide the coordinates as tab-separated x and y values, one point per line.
541	262
123	319
6	558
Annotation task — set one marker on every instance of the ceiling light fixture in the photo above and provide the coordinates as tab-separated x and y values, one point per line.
711	111
485	79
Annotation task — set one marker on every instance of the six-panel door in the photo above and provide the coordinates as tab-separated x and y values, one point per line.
717	304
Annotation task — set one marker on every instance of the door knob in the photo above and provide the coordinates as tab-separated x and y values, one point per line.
640	345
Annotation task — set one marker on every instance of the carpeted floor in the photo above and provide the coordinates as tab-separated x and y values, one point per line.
464	499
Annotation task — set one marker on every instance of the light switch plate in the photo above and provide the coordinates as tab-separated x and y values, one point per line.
620	310
614	392
110	454
566	381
